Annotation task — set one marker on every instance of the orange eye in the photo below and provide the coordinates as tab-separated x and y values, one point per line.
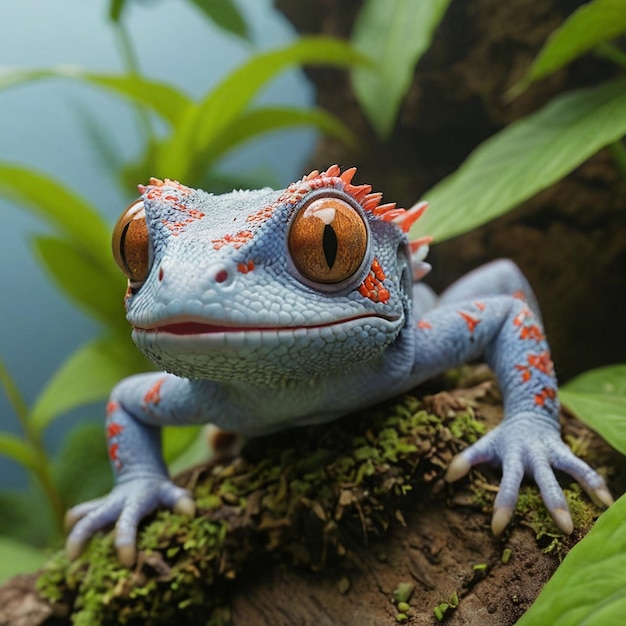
131	244
328	240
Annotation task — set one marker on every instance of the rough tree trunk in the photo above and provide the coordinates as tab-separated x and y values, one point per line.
570	240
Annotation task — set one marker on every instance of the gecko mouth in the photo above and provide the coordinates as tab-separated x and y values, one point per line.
192	327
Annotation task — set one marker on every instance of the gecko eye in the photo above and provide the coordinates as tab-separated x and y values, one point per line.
327	240
131	244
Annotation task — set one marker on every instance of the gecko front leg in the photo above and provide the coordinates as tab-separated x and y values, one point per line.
137	409
528	441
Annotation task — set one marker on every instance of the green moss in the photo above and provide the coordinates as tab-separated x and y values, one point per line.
293	496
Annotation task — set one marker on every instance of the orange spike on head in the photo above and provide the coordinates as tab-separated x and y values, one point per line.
416	244
411	216
383	208
358	192
311	176
371	201
332	171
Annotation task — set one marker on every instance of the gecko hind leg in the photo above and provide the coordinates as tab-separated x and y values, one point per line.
498	278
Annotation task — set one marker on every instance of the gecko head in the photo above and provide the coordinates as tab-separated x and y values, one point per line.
265	287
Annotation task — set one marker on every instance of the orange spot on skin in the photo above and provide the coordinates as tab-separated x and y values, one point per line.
547	393
532	332
372	286
236	241
480	306
522	316
244	268
153	395
520	295
113	449
471	321
541	362
261	216
424	325
112	406
114	429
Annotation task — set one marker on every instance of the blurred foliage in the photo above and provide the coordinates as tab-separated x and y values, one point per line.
505	170
197	134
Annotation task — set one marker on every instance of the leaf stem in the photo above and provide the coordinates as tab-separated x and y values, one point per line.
131	64
618	151
42	468
611	52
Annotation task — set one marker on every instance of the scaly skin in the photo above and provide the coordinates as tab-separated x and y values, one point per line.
270	309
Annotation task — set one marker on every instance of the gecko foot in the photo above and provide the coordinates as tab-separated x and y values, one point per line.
527	446
128	503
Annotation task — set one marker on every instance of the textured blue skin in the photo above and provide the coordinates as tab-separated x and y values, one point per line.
311	353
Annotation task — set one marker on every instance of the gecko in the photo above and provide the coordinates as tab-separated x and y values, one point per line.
271	309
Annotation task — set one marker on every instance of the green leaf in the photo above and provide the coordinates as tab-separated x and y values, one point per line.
598	398
589	587
177	439
88	375
225	14
251	124
196	451
83	454
52	201
163	99
395	34
98	291
224	104
591	24
18	558
524	158
26	516
18	450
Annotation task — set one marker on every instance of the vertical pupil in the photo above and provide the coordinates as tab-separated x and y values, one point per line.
329	243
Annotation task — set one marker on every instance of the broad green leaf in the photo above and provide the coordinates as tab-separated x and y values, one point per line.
88	284
197	451
225	103
26	516
524	158
176	439
67	212
18	558
88	375
598	398
589	587
18	450
591	24
253	123
162	98
84	454
167	101
13	394
225	14
395	34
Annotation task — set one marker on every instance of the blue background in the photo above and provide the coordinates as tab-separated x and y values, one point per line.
41	127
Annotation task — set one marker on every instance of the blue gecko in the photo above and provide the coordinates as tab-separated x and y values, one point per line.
273	309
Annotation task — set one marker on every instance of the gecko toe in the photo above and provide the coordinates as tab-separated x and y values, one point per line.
563	520
127	554
73	549
602	496
185	506
500	520
459	467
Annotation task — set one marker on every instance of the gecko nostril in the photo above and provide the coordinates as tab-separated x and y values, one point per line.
160	274
221	276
